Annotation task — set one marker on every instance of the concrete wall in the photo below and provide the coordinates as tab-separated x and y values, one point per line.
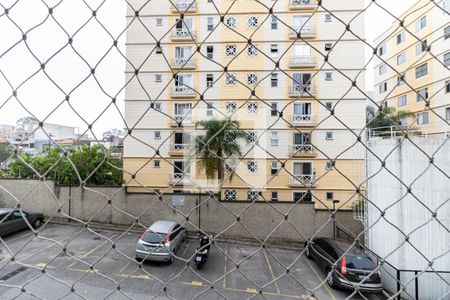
259	220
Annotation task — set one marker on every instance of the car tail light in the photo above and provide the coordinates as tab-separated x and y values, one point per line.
167	239
343	269
375	266
142	236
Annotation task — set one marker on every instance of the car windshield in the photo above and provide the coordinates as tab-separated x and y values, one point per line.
359	262
153	237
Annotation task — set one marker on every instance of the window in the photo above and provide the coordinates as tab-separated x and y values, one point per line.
382	50
273	109
302	197
446	6
273	168
422	94
274	196
327	18
421	47
157	135
274	80
329	105
159	21
157	106
422	118
252	21
274	50
230	78
403	121
210	24
447	59
251	137
400	37
157	164
328	46
230	107
447	32
421	23
422	70
230	195
231	21
329	166
382	69
252	166
401	58
158	78
329	135
274	22
329	195
252	50
230	50
447	86
401	79
402	100
252	107
252	195
210	52
383	87
252	78
209	80
447	113
274	138
209	109
328	76
158	50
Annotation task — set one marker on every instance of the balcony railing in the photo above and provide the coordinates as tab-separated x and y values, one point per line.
302	4
306	31
301	90
183	34
182	92
302	61
303	150
183	63
302	180
180	178
184	6
178	149
184	119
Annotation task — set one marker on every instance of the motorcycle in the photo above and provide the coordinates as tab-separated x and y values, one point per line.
202	251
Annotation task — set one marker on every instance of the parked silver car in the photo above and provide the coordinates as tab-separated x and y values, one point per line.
160	241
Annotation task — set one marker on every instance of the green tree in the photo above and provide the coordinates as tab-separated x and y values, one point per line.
385	118
220	142
93	162
5	152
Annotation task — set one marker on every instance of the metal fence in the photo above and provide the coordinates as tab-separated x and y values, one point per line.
203	129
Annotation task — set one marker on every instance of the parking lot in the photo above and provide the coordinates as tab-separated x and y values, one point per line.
95	270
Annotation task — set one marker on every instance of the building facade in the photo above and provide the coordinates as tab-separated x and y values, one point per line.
412	67
287	77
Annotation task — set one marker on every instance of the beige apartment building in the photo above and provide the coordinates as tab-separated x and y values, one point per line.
233	59
413	67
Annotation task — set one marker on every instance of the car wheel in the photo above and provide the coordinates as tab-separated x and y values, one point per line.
138	259
170	261
330	279
36	223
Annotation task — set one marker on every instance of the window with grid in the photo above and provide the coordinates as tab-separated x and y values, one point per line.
230	195
230	50
252	107
422	70
231	21
252	166
252	21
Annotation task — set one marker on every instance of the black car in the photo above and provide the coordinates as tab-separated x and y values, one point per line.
352	268
12	220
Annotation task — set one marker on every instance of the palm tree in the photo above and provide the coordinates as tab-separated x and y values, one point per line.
220	142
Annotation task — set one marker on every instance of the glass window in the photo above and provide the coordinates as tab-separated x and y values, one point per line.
422	118
274	80
400	37
447	113
447	86
382	50
422	94
327	18
302	197
328	76
329	195
252	78
252	107
210	52
209	109
159	21
447	59
230	195
274	22
447	32
329	166
209	80
274	50
157	163
383	87
421	47
157	106
273	109
329	135
359	262
328	46
231	21
329	105
273	168
274	196
382	69
230	78
252	50
402	100
210	24
274	138
421	23
422	70
253	21
401	58
158	77
230	107
157	135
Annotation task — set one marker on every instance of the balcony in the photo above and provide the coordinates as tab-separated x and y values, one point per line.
183	92
180	179
184	34
306	32
184	6
302	120
302	4
178	149
303	180
183	63
186	120
302	62
303	150
299	90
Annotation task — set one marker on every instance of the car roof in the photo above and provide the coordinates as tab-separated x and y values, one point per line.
162	226
5	210
342	245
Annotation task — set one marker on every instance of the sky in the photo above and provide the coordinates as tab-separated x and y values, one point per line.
43	94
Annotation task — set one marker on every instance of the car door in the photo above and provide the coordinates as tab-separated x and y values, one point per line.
3	225
176	235
330	255
16	222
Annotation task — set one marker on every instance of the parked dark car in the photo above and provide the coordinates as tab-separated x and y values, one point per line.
352	268
12	220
